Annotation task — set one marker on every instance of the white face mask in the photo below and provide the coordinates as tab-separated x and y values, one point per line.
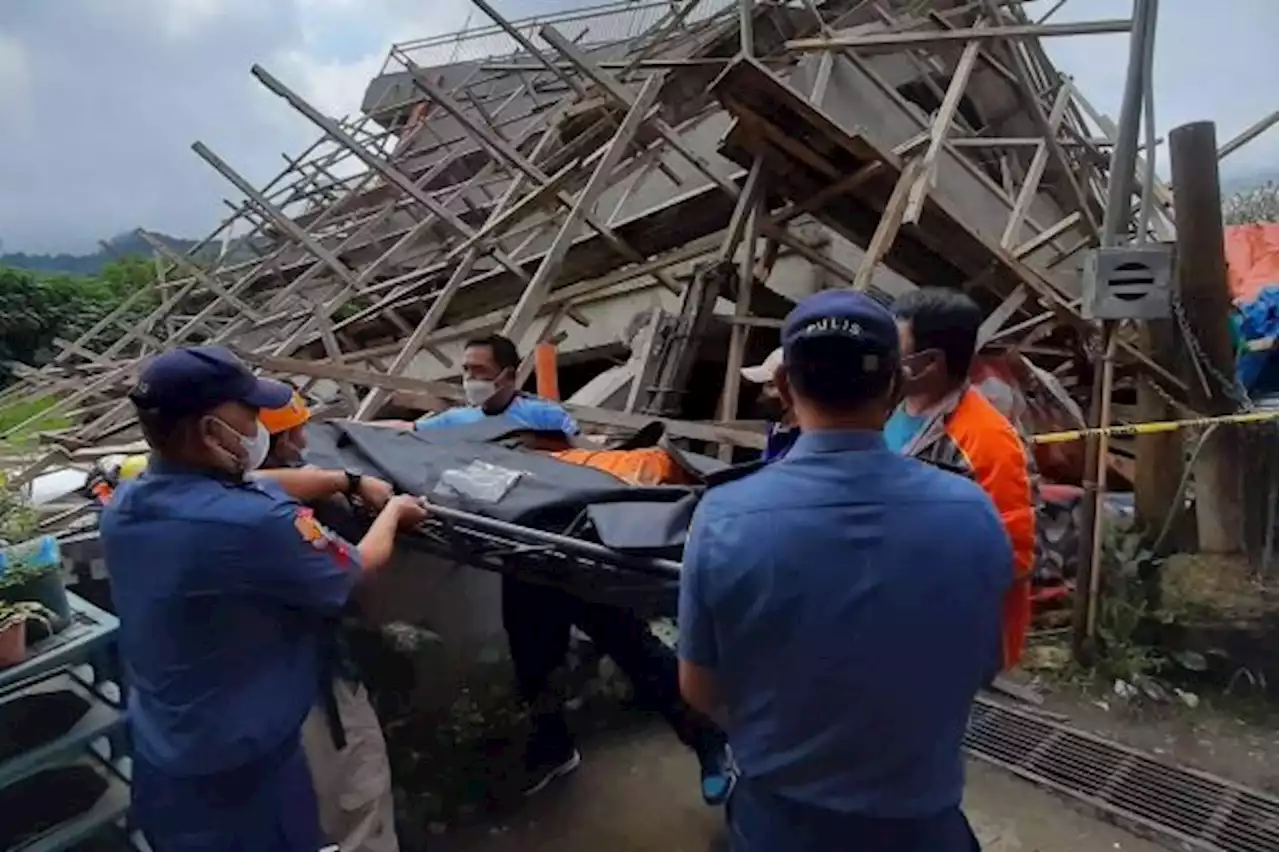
255	446
478	391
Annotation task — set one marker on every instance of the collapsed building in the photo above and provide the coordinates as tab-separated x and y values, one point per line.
649	186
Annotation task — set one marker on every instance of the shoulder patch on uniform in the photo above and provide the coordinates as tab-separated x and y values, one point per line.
318	536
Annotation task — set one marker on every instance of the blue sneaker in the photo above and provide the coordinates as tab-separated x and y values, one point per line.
718	775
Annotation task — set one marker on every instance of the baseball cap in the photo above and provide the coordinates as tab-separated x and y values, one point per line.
843	315
763	372
290	415
197	379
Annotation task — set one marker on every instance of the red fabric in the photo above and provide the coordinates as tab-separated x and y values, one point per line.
1253	258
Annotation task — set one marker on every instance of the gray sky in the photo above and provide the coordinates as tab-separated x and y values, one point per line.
100	100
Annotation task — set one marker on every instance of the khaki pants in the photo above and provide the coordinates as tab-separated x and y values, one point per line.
353	786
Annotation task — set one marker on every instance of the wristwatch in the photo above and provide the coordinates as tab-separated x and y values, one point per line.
353	484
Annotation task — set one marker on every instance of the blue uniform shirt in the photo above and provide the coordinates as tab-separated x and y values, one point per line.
529	411
222	589
847	600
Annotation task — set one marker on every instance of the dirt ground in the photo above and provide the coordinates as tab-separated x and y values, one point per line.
1235	740
636	792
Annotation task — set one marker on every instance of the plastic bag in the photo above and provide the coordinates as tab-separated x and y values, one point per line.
487	483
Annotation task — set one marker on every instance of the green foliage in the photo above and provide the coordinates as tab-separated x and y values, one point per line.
1129	570
1254	205
35	310
12	614
17	517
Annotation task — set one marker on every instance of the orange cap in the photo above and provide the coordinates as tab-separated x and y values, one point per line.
279	420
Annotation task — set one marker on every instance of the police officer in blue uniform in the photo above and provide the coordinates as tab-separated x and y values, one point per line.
223	585
840	608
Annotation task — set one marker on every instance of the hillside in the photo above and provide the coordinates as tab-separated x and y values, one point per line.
123	245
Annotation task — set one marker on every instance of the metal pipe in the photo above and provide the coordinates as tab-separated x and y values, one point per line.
663	568
1149	123
1125	153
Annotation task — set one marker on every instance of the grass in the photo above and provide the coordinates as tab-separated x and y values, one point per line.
19	411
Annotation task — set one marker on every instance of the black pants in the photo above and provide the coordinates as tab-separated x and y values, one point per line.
537	619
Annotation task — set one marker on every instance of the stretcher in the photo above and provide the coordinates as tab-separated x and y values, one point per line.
607	525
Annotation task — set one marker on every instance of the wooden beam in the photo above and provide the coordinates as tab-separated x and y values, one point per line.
389	172
434	395
890	222
938	132
536	290
930	38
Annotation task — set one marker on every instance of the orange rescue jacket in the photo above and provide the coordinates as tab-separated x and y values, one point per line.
968	432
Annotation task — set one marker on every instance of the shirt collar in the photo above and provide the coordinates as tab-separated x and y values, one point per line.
943	406
160	467
836	441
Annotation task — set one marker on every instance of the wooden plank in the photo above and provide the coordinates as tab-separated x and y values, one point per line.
1031	184
434	395
930	38
890	222
938	132
535	291
1001	315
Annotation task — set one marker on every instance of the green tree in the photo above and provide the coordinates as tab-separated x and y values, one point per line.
37	309
1254	205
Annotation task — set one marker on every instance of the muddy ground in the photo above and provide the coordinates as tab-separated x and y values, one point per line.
637	792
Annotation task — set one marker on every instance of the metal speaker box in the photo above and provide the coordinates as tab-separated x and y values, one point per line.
1128	282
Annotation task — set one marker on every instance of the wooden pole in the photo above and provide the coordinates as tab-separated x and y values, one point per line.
1159	457
1115	227
1203	301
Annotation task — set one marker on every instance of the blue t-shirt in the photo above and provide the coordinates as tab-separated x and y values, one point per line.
846	645
529	411
223	590
902	428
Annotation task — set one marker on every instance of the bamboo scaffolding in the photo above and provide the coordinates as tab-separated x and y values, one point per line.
525	189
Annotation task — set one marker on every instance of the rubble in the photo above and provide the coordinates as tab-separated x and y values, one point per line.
687	168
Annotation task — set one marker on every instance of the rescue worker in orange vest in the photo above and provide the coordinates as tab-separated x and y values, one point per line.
341	736
943	420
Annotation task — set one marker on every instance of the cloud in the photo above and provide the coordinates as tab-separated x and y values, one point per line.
100	101
1213	62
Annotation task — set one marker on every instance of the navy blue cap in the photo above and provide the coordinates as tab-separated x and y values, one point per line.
868	326
200	378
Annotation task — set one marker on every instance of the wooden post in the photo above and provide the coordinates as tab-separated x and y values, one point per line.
1159	457
1205	303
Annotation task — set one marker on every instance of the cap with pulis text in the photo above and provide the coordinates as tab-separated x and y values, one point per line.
200	378
843	315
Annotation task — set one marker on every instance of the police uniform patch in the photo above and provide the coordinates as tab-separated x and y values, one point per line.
315	534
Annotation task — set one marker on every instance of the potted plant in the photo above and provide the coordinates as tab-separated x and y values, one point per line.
32	571
30	565
13	632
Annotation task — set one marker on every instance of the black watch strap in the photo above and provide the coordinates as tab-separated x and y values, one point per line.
353	484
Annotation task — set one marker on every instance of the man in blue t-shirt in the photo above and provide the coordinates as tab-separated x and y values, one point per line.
538	617
489	367
841	646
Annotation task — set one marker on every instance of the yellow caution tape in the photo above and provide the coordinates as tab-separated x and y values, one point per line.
1152	428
